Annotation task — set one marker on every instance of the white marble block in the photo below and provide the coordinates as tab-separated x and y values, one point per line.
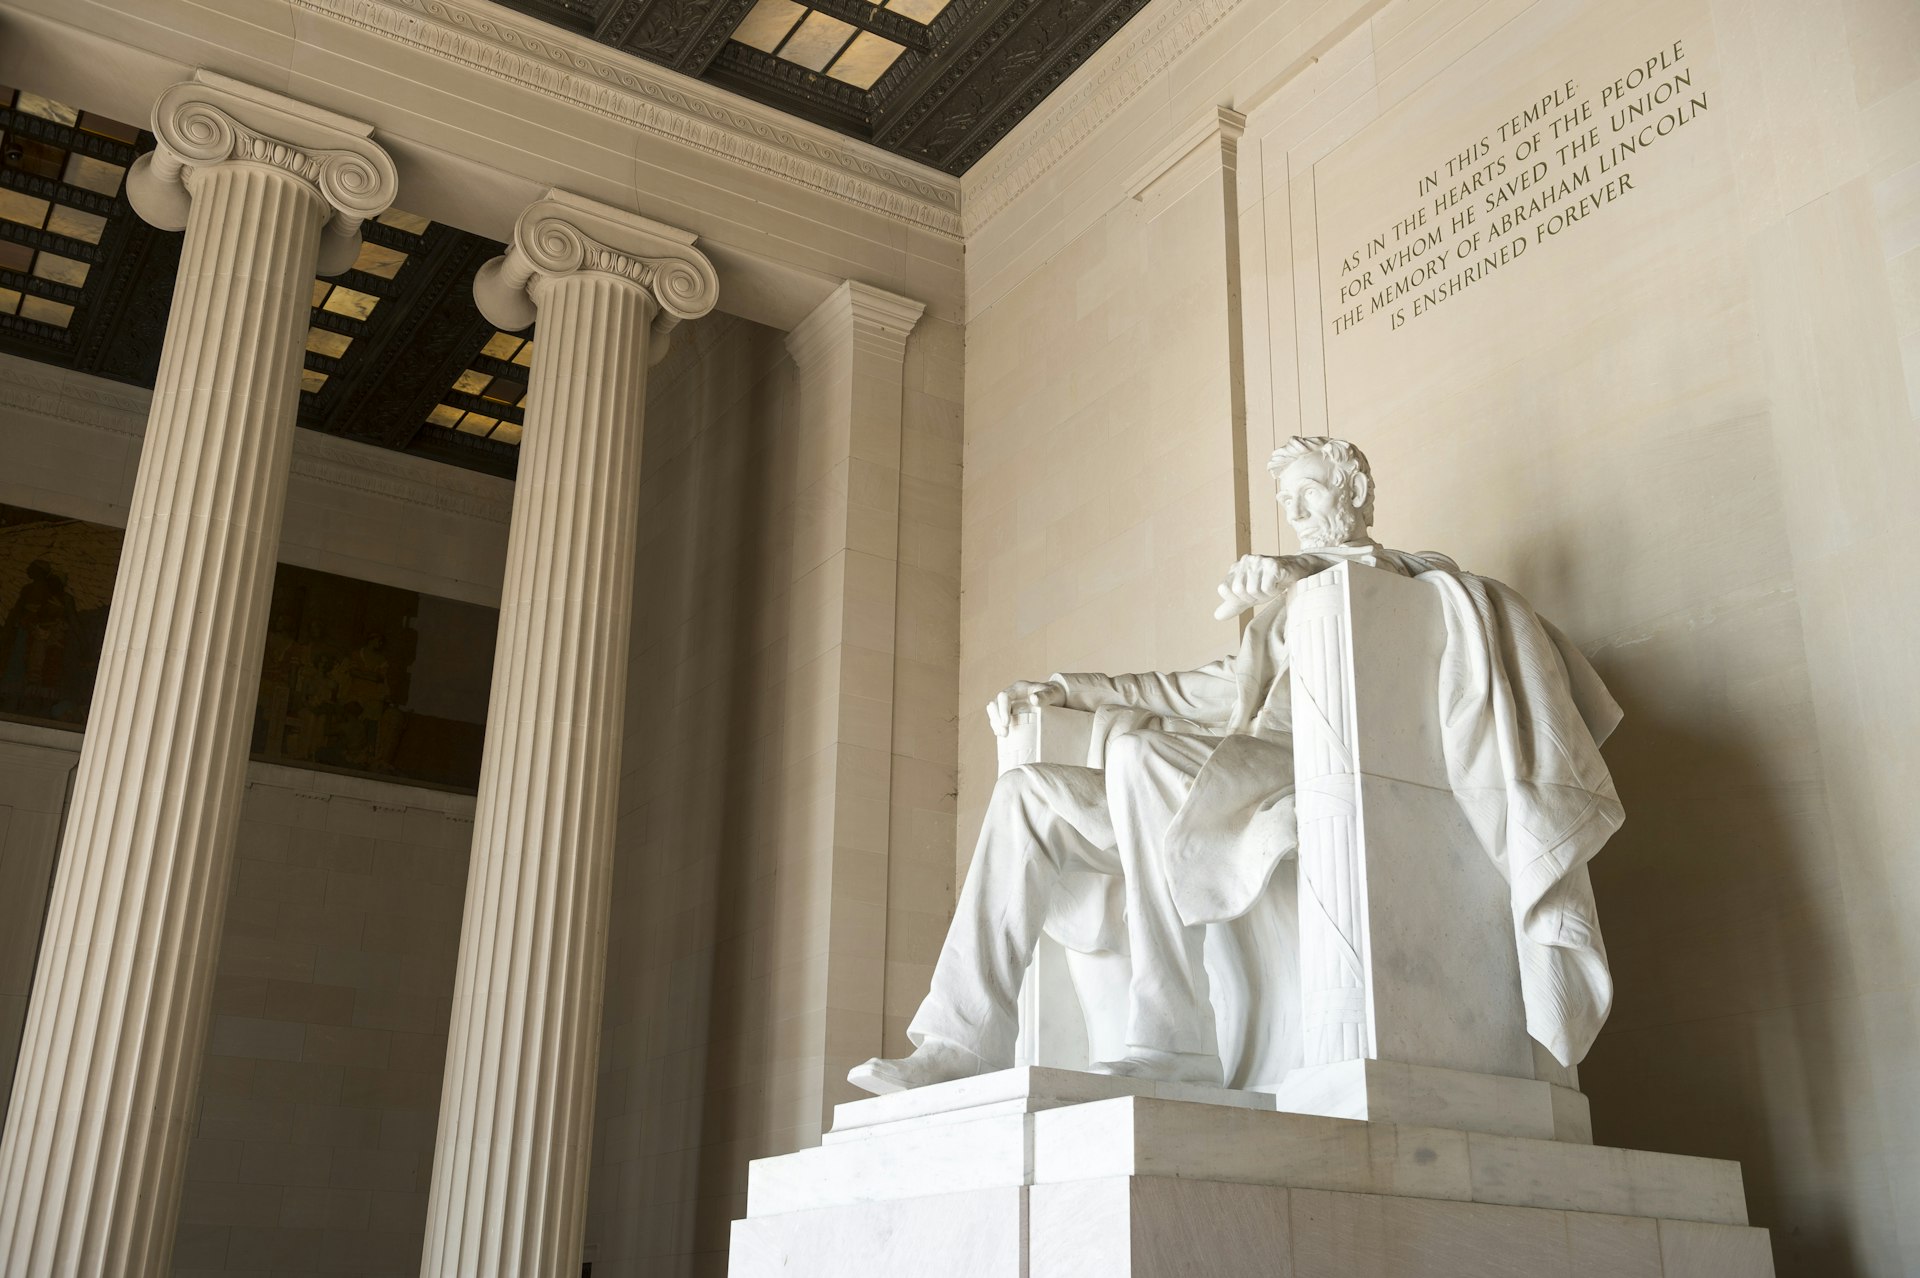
1037	1173
1390	872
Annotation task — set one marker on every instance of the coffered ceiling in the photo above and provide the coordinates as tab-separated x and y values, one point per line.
938	81
396	353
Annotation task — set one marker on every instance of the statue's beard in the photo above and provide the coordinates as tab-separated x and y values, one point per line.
1320	531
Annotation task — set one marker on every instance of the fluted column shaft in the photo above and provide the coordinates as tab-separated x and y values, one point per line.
96	1136
511	1161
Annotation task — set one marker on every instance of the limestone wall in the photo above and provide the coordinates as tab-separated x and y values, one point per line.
314	1134
1681	421
36	766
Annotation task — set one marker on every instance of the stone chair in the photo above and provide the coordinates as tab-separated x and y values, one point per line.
1377	976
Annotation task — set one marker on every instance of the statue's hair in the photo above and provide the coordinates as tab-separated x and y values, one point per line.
1346	460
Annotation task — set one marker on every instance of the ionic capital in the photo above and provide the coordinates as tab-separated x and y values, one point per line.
563	235
211	120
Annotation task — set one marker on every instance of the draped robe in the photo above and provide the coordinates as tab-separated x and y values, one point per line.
1523	716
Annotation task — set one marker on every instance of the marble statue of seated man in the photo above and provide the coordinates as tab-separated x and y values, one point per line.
1192	816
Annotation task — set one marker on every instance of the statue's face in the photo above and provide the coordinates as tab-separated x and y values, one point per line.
1319	508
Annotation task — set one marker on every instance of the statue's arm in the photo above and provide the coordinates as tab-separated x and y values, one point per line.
1205	695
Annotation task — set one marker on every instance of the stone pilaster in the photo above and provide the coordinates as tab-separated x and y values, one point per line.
95	1142
510	1166
842	601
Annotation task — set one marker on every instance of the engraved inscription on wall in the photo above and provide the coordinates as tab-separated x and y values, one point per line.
1529	181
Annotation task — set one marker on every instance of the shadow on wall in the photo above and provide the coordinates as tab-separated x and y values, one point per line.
1723	1041
683	1078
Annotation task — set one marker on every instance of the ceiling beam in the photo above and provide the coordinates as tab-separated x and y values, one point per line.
963	34
869	16
791	87
683	34
1056	51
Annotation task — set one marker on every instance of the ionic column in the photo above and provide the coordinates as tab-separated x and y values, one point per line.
91	1163
510	1164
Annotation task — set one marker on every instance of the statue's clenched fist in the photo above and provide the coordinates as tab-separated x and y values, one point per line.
1021	692
1256	580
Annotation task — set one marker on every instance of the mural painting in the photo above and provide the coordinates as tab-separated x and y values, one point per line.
356	677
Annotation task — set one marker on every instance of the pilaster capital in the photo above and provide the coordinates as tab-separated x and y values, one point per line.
1211	143
212	119
855	312
562	235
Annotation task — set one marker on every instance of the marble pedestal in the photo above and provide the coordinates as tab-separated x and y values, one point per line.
1039	1173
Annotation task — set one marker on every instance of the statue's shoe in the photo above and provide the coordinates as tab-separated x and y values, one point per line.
1166	1067
934	1061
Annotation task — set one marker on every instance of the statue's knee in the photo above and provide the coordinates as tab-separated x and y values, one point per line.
1016	787
1130	751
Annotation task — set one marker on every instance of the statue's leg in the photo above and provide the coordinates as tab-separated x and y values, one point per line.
1042	819
1148	777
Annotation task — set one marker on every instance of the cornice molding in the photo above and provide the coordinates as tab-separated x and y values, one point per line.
854	313
45	391
29	386
576	68
1129	62
366	468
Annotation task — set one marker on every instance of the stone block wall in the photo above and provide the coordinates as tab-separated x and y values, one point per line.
313	1141
314	1145
36	766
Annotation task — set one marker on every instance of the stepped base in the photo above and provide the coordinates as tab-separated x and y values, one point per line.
1049	1174
1423	1096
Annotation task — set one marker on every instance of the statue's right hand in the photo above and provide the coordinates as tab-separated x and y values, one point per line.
1018	693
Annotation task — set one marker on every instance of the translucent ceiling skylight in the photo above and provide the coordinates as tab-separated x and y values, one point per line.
490	399
55	200
823	43
342	312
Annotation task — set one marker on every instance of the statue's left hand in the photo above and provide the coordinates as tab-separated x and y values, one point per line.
1255	580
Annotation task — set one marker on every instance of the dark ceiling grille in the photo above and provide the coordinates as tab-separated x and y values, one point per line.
63	237
939	81
397	354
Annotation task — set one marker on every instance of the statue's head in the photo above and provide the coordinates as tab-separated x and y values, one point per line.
1326	490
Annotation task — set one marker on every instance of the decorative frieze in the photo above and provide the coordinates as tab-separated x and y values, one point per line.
30	387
